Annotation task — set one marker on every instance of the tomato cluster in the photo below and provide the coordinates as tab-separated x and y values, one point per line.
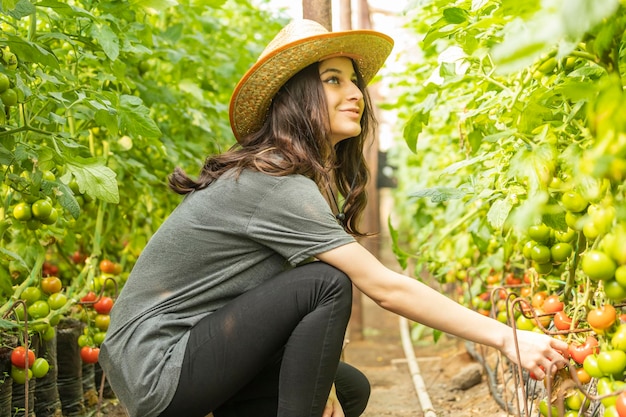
24	365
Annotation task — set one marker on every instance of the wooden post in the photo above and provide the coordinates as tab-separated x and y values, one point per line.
318	10
345	14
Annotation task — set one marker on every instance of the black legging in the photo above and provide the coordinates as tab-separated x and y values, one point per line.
273	351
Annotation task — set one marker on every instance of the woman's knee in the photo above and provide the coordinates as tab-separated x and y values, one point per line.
332	278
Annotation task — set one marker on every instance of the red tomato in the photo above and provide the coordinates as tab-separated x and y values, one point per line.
18	357
107	266
103	305
89	354
90	297
579	351
562	321
552	304
602	318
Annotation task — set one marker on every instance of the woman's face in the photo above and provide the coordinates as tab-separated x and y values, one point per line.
343	96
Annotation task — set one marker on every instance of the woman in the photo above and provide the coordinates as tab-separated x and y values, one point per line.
224	310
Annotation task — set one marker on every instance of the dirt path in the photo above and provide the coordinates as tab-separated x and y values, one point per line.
380	356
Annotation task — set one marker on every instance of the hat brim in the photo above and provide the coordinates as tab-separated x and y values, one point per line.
254	92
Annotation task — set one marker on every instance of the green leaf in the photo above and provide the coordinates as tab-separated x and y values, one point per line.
499	212
94	178
154	6
464	163
65	9
455	15
418	120
401	256
107	39
135	118
579	16
31	52
439	194
6	283
17	9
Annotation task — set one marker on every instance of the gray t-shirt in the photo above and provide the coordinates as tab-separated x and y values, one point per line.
218	243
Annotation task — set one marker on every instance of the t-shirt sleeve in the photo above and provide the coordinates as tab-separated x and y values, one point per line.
294	220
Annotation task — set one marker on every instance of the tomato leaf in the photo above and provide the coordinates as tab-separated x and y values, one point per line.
401	256
18	9
107	39
579	16
439	194
31	51
154	6
135	117
94	179
455	15
499	212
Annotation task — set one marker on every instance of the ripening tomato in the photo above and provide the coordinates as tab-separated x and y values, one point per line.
89	354
552	304
102	321
103	305
107	266
538	298
620	404
562	321
583	376
51	285
602	318
18	357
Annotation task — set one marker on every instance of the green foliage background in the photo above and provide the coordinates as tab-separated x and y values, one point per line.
507	106
112	95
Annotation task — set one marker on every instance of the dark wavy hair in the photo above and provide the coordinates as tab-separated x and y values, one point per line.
295	139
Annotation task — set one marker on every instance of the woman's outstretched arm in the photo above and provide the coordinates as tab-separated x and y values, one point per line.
418	302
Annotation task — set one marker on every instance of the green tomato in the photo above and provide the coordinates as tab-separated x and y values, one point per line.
539	233
30	295
614	290
57	300
566	236
52	218
524	323
40	368
19	375
577	400
590	364
574	202
541	254
85	340
9	97
49	334
612	362
620	275
5	83
561	251
598	265
41	209
38	309
22	212
544	407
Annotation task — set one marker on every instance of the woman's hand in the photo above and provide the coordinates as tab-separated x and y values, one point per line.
333	408
538	353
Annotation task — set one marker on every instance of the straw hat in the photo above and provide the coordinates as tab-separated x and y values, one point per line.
297	45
